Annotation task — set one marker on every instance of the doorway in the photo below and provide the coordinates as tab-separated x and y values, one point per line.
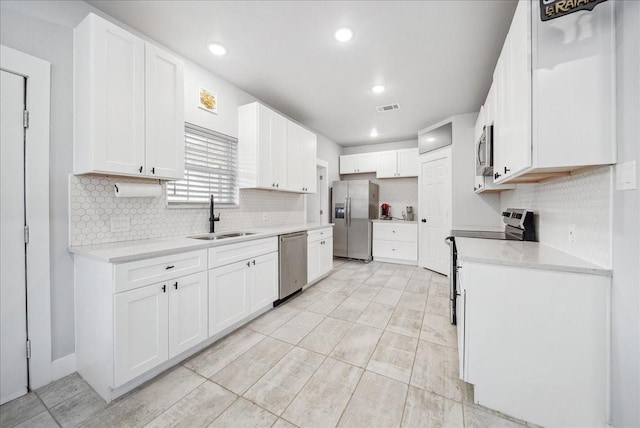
434	200
25	304
317	204
14	373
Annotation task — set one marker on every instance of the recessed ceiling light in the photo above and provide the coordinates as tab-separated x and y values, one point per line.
217	49
431	139
377	89
374	133
343	35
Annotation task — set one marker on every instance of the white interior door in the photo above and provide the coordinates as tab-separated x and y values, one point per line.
13	301
435	210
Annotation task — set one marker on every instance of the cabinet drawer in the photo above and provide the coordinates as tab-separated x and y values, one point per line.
132	275
396	232
395	250
319	234
226	254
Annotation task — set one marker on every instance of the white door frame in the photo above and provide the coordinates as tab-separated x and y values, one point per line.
38	74
322	164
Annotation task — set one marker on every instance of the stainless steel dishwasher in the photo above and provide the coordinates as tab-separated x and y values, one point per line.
293	264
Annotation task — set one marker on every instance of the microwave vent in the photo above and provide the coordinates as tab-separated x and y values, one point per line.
382	109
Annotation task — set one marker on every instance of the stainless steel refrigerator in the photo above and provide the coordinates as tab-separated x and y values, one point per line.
354	204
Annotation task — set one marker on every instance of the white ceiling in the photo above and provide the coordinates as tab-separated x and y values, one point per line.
435	58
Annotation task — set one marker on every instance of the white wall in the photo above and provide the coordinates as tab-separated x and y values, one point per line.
626	226
380	147
45	29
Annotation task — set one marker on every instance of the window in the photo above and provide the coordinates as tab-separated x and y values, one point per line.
210	168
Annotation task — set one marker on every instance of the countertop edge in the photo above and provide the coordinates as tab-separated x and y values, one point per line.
185	246
540	266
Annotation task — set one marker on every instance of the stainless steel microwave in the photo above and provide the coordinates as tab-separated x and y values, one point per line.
484	152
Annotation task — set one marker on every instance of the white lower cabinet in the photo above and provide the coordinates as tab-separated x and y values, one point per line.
239	289
395	242
529	338
141	331
158	322
187	312
319	254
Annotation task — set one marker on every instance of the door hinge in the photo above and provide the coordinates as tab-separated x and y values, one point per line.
321	212
26	234
28	349
25	119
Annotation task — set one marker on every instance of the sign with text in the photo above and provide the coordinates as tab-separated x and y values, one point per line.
551	9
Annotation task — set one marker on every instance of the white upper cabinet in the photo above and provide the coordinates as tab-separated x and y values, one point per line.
359	163
554	95
129	102
301	159
164	102
274	152
398	163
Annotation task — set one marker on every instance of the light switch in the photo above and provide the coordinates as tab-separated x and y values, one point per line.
626	176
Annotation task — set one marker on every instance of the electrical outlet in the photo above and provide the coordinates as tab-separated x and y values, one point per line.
265	217
120	224
572	233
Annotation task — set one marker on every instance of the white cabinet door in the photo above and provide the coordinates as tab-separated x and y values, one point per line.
278	147
435	210
408	165
110	92
187	312
141	331
519	101
313	261
500	127
348	164
387	164
228	296
295	170
263	281
367	162
326	256
308	142
164	108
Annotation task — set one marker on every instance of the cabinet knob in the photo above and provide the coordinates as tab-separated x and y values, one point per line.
253	262
424	220
278	185
475	188
175	285
273	185
170	267
164	288
140	169
506	170
248	264
153	170
496	175
393	231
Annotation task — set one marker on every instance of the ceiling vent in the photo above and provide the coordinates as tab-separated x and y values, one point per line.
389	107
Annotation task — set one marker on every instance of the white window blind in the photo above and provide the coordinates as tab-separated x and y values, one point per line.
210	168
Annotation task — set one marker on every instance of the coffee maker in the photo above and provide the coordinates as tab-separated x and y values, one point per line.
385	211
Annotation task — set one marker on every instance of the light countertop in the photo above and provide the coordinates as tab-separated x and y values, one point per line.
128	251
533	255
394	221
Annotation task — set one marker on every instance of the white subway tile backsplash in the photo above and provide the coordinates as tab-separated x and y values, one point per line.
92	204
583	200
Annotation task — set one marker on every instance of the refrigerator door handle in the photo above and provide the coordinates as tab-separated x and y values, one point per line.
349	211
346	211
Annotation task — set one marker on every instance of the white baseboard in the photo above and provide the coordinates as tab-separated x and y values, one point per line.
63	366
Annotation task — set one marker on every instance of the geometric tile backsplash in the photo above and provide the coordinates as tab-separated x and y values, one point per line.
583	200
92	204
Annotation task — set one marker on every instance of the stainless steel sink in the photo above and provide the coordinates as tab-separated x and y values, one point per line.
215	237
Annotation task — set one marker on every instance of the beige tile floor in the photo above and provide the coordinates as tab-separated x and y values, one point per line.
369	346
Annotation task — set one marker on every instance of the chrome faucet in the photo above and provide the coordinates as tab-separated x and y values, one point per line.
212	218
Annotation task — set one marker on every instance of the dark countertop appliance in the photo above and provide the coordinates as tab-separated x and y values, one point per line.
519	226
